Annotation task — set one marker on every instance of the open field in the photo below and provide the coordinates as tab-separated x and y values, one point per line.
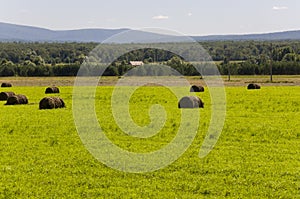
256	156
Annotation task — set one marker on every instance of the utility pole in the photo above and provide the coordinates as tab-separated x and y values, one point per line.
271	64
271	71
228	72
226	60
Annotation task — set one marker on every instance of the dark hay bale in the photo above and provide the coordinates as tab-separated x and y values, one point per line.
190	102
5	95
5	84
253	86
51	102
17	99
52	90
195	88
257	86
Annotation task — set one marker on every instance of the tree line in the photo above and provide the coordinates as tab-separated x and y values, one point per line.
65	59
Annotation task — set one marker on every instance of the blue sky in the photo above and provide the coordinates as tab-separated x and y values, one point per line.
190	17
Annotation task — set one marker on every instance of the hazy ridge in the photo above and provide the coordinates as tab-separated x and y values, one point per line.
21	33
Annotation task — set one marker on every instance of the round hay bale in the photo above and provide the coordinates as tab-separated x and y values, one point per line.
5	84
5	95
195	88
17	99
253	86
190	102
51	90
51	103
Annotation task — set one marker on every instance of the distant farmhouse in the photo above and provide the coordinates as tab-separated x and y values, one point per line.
136	63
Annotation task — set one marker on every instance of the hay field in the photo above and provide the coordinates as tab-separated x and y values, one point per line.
257	155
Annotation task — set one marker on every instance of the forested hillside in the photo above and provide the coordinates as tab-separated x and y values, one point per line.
64	59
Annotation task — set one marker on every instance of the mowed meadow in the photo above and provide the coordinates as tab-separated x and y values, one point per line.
256	156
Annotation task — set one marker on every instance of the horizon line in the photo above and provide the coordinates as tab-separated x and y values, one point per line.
127	28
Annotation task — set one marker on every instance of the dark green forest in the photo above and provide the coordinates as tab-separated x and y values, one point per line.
65	59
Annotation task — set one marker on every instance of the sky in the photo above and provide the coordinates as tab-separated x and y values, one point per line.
189	17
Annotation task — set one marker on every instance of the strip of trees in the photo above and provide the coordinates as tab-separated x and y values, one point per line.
231	57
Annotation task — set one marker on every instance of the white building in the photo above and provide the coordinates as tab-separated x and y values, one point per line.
136	63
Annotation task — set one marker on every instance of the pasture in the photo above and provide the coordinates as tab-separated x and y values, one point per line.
256	156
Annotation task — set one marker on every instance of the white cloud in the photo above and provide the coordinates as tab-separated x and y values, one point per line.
91	22
280	8
160	17
24	11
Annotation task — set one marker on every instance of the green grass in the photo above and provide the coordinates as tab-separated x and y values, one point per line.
257	155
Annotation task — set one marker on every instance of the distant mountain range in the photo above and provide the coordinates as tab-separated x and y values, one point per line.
12	32
286	35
